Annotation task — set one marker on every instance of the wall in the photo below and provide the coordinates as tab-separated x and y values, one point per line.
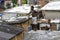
34	2
54	0
52	14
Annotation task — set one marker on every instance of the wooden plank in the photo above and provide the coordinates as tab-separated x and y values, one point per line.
25	26
53	27
14	38
18	37
42	2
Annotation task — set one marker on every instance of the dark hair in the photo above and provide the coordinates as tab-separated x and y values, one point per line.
32	7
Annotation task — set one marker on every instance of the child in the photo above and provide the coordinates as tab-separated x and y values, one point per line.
34	15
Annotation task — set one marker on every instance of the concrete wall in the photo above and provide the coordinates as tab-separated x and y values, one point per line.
52	14
32	2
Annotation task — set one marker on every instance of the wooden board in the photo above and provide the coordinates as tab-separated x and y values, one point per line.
53	27
42	2
25	26
18	37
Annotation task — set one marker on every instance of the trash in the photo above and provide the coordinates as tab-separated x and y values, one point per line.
42	35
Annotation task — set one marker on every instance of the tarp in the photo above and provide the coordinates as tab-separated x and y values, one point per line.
21	9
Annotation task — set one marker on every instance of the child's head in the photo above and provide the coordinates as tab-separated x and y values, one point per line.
32	7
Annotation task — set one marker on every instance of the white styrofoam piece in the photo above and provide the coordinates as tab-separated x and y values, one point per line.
44	25
53	5
55	21
23	17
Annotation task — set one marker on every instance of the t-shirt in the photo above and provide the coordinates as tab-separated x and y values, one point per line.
11	4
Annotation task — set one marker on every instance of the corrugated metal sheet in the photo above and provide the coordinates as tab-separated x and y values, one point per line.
52	6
